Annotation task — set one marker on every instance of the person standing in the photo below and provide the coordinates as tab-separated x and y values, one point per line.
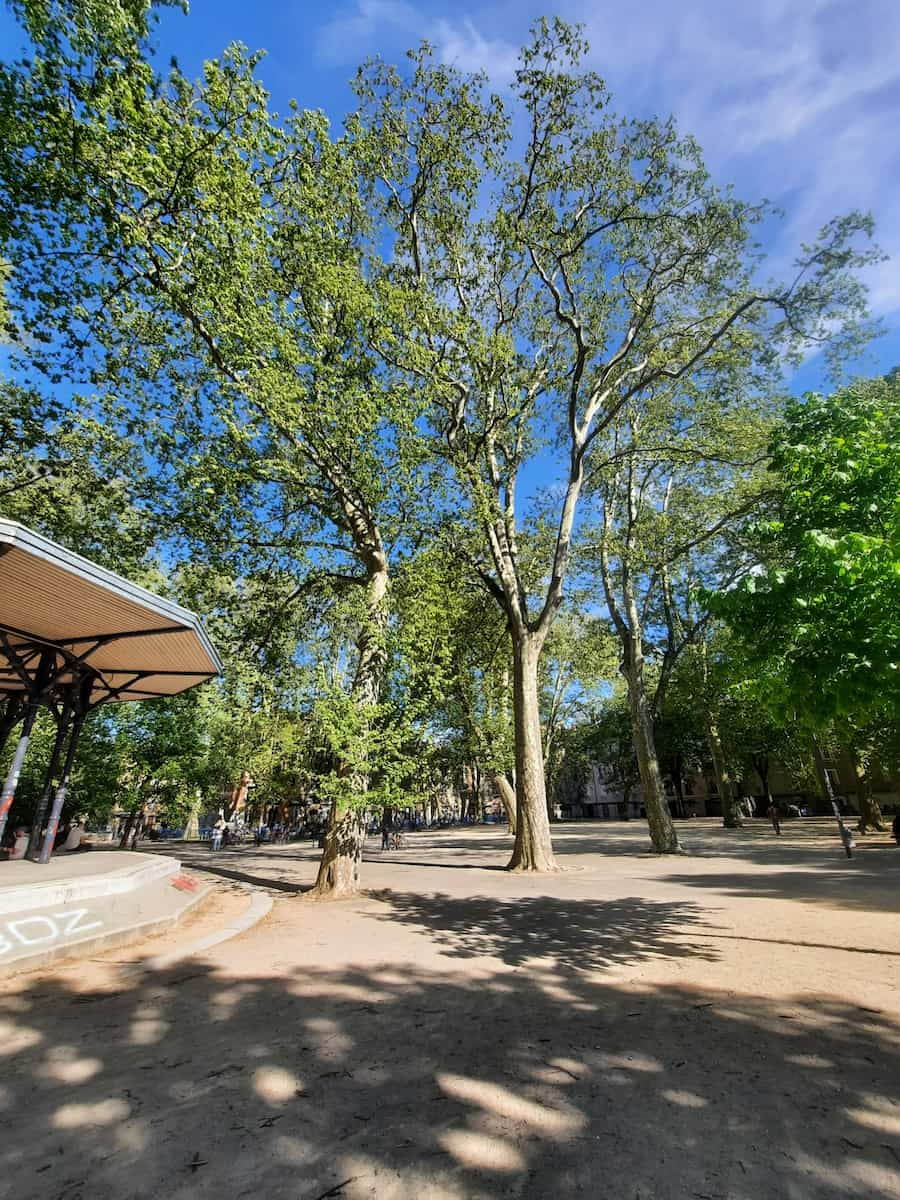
775	817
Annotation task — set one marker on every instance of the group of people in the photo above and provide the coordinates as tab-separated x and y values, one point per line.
224	834
391	839
70	836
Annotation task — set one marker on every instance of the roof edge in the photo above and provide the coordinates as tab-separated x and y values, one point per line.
14	534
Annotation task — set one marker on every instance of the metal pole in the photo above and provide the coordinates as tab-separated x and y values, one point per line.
12	714
59	799
35	695
15	769
845	834
824	777
37	824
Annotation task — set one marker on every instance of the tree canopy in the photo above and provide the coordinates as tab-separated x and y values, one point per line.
824	602
442	417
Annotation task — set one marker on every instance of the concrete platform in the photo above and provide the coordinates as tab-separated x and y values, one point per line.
78	903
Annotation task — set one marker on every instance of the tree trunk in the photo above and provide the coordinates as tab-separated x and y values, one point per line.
507	797
662	828
731	812
129	824
678	784
533	849
626	801
192	825
870	816
339	868
475	807
761	767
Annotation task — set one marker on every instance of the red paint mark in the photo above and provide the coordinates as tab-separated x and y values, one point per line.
184	883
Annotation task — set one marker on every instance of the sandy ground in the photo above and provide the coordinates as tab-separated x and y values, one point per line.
718	1025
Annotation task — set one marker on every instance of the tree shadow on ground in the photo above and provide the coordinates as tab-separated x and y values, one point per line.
397	860
755	841
577	935
401	1084
837	886
266	882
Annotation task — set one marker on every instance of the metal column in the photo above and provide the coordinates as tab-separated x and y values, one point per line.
81	711
12	714
40	812
15	769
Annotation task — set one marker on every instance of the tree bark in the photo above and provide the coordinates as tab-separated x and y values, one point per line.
339	868
192	825
822	772
628	623
533	848
626	801
870	815
475	807
129	824
678	782
731	813
761	767
507	797
662	828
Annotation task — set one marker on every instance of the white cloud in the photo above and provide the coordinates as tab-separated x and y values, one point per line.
369	26
796	100
361	28
466	48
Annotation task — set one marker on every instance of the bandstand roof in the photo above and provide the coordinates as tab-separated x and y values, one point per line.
65	615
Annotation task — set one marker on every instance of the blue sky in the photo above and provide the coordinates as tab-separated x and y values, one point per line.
794	100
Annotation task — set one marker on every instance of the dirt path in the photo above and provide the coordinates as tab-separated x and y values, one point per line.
721	1025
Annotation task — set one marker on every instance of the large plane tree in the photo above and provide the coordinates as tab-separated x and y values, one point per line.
550	265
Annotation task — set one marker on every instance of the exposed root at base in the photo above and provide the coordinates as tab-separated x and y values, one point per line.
326	897
522	869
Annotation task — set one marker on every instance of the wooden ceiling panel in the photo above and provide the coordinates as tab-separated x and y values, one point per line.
52	600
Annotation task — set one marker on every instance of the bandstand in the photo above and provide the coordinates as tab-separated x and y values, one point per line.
73	636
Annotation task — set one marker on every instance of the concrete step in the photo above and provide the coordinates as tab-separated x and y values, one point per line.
63	916
76	877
